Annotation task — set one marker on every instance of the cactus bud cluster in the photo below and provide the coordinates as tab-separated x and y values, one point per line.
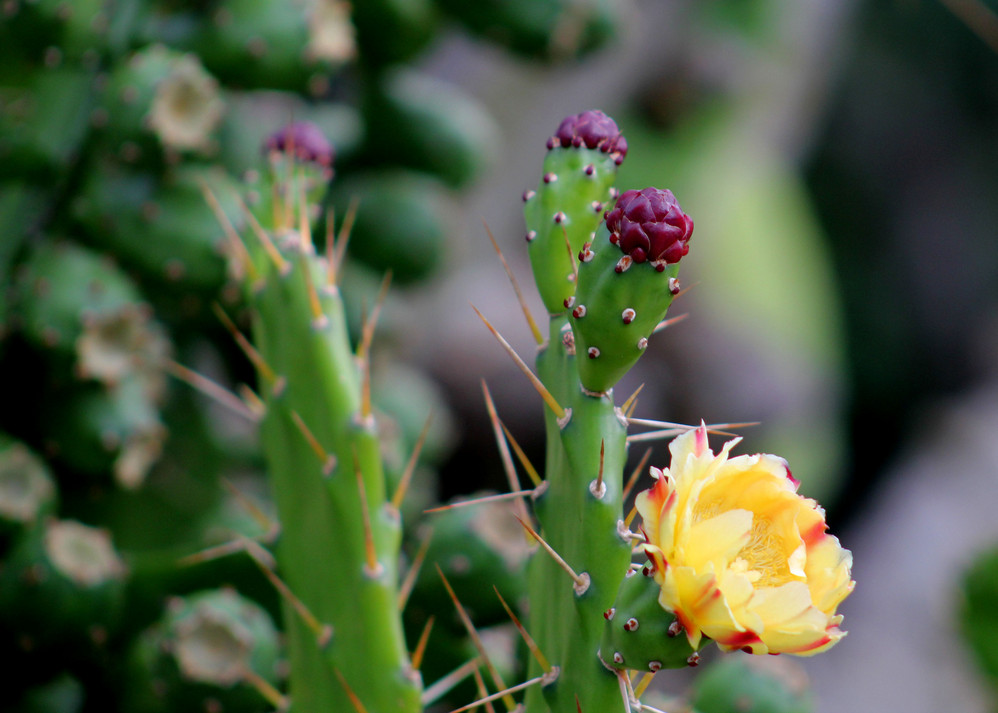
650	225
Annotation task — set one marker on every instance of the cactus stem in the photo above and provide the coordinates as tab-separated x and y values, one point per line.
545	679
270	694
666	323
532	473
211	389
327	459
549	399
413	574
580	581
410	466
244	344
635	474
354	701
476	640
632	399
443	685
532	646
282	265
323	632
420	650
231	234
372	567
501	443
482	691
534	329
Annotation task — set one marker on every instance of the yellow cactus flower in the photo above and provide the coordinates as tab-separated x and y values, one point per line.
740	556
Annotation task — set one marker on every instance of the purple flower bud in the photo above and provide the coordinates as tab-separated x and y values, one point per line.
650	225
592	129
305	140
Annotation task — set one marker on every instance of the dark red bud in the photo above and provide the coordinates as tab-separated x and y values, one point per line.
305	139
650	225
592	129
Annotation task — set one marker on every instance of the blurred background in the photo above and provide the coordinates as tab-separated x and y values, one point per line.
839	159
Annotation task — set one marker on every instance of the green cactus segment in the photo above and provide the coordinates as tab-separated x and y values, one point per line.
163	93
200	651
615	313
44	121
60	582
583	529
422	123
165	228
27	491
393	31
321	552
639	634
540	28
568	203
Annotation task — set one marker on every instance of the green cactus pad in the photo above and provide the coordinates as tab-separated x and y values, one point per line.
568	203
740	682
640	634
614	313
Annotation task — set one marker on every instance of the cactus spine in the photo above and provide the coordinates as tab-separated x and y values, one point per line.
340	538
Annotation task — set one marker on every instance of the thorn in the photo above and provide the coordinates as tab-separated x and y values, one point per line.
504	456
417	564
581	583
323	632
535	330
304	224
482	691
244	344
258	515
331	266
600	489
327	459
209	388
479	501
668	429
253	402
511	705
477	641
551	402
354	701
410	466
273	253
373	568
441	687
630	516
231	234
632	399
625	689
643	684
270	694
345	230
571	257
532	473
319	318
212	553
684	291
527	638
417	655
367	332
638	469
666	323
577	704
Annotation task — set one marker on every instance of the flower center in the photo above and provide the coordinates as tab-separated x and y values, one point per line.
765	555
